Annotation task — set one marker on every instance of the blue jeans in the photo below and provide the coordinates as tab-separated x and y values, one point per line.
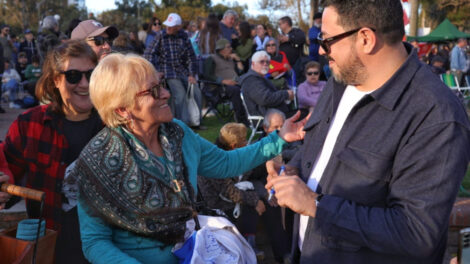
178	88
12	86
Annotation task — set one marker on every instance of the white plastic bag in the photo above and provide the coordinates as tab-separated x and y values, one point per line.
194	115
218	241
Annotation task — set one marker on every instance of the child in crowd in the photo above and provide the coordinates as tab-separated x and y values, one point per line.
32	73
10	83
309	91
236	197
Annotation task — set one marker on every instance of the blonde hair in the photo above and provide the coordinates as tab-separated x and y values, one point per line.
115	82
231	134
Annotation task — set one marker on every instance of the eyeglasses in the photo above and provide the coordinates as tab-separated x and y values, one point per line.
264	62
326	43
313	73
100	40
75	76
154	91
270	45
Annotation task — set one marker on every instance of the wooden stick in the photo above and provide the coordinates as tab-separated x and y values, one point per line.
24	192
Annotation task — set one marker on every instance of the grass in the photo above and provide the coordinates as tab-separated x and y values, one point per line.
213	127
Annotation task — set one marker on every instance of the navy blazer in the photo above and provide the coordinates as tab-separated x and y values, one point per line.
393	175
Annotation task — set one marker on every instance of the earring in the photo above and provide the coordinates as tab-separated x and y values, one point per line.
130	121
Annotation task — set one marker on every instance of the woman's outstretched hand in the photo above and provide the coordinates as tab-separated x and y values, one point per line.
293	131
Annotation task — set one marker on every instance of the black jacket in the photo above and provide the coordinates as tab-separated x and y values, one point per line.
260	94
395	170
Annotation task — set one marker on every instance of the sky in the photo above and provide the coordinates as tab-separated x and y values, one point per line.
98	6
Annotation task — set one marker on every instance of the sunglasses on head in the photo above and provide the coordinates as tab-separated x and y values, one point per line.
313	73
75	76
100	40
154	91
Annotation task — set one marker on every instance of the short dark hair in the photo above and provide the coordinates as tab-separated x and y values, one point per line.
286	19
385	16
35	59
312	64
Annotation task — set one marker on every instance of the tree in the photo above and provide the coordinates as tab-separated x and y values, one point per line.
22	14
294	6
414	17
435	11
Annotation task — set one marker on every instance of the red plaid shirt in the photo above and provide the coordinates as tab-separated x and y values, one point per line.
35	147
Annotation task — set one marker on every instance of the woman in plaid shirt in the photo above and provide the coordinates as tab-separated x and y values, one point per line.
43	142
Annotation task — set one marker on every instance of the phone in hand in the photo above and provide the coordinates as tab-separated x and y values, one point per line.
464	246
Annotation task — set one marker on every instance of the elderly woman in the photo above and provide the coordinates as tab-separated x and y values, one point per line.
45	140
279	64
138	176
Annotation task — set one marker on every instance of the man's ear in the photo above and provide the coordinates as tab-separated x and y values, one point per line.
368	40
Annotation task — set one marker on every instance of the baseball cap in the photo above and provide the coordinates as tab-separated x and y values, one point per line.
221	43
172	20
92	28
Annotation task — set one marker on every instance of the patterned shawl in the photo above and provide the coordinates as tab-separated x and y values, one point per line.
131	188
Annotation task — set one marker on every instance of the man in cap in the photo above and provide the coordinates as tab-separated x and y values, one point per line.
172	54
98	37
223	67
312	36
28	46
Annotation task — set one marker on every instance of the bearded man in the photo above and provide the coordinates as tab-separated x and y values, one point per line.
259	93
384	152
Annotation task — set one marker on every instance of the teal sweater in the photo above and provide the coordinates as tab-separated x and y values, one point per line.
103	243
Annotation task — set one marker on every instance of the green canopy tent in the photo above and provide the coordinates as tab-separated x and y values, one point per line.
444	32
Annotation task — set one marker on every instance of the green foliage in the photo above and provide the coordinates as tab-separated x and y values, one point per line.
22	14
220	9
435	11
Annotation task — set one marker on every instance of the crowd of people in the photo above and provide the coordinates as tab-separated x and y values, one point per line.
368	176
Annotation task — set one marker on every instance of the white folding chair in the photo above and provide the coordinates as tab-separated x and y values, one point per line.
254	121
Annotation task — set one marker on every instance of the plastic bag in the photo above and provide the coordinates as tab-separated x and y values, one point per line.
194	114
218	241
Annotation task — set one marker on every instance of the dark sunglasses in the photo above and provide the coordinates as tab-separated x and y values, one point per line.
75	76
264	62
313	73
326	43
100	40
270	45
153	91
157	24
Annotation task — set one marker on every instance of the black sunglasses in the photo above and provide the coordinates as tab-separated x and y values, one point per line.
313	73
100	40
326	43
157	24
75	76
270	45
153	91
